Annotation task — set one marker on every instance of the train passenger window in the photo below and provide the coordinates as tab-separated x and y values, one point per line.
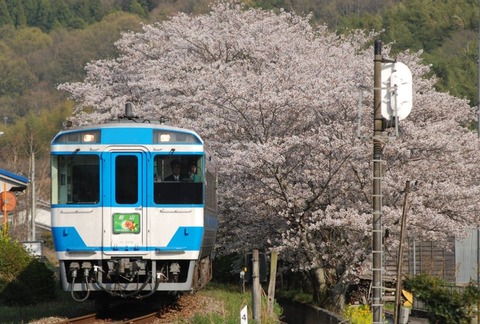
75	179
126	179
178	179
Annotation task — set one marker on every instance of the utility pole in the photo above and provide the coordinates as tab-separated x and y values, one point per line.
5	215
33	208
392	102
377	246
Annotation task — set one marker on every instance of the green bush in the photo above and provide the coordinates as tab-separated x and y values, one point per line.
226	268
446	304
24	280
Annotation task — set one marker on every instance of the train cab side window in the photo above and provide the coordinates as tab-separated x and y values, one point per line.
126	179
178	179
76	179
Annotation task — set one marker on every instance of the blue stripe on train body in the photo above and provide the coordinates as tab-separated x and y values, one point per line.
67	239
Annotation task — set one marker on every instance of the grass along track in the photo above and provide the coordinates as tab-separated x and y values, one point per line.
214	304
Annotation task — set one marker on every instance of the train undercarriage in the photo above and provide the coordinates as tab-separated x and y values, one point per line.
134	278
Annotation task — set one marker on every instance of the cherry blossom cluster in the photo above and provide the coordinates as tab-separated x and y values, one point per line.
278	101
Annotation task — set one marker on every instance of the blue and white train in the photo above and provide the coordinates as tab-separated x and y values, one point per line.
120	224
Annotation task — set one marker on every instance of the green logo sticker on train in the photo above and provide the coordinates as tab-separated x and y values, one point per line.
126	223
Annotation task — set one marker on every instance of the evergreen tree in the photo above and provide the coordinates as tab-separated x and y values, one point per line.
62	12
44	18
5	18
89	11
17	12
30	9
137	8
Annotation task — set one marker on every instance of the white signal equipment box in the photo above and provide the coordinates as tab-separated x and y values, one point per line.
396	91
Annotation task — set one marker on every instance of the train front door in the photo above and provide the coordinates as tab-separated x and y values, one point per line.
124	215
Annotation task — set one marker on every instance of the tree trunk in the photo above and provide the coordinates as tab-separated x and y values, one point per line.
339	292
315	285
327	293
319	280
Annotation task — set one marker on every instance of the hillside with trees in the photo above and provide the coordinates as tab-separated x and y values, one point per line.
32	64
446	32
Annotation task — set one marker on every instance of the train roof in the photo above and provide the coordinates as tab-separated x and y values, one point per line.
135	131
120	123
130	126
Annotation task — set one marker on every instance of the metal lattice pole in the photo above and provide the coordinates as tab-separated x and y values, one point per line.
377	244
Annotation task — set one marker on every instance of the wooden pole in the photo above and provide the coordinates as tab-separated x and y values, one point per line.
256	289
271	284
398	289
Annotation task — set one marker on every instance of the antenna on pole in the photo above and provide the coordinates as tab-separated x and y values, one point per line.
128	110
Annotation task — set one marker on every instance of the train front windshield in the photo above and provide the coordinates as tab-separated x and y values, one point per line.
177	179
76	179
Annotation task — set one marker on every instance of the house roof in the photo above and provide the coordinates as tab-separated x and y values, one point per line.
13	181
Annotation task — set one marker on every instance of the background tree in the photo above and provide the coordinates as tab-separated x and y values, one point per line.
28	40
16	76
73	50
277	99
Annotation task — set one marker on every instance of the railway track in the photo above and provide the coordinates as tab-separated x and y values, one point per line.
170	310
128	312
90	318
93	318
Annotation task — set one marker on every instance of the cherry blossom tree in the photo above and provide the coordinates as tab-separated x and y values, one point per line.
278	102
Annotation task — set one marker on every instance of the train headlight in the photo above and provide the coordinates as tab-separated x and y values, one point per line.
163	137
88	138
91	136
166	136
